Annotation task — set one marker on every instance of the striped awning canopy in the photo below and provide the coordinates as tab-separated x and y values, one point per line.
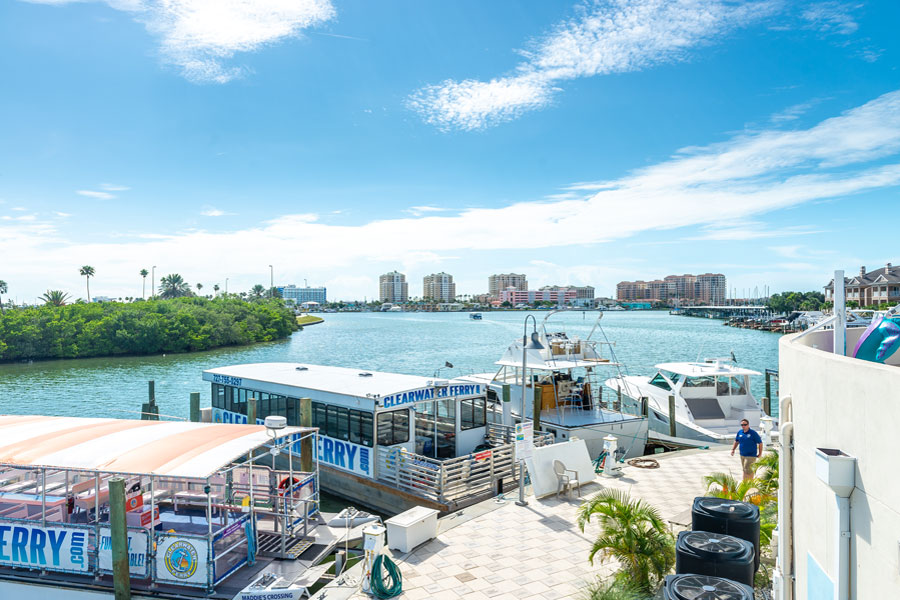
171	448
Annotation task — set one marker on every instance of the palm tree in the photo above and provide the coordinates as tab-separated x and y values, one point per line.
174	286
55	297
87	271
144	273
199	287
631	532
216	289
754	491
766	472
3	290
258	290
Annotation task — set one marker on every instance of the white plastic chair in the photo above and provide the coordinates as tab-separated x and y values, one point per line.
565	479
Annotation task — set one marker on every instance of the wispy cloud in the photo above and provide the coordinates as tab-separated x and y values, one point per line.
831	17
96	194
418	211
211	211
200	37
750	230
606	36
730	182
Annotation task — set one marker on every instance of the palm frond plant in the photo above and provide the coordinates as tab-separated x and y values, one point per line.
87	272
174	286
632	533
55	297
723	485
766	471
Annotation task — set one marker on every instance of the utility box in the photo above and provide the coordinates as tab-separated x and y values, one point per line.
837	470
411	528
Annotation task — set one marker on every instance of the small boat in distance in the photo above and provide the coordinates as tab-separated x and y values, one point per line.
475	316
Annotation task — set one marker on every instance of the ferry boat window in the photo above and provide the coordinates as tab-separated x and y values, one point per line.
343	424
472	413
361	427
393	427
339	423
737	386
706	381
660	382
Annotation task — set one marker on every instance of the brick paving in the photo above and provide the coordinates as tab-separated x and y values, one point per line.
537	551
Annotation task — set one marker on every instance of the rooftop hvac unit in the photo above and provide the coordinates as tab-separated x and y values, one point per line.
715	554
704	587
738	519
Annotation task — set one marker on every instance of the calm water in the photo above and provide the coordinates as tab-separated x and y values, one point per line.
414	343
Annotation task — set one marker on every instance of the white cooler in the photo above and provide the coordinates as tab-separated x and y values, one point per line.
411	528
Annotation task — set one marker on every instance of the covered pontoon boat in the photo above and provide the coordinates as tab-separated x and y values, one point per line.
207	511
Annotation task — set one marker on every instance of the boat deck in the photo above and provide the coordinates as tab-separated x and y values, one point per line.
508	552
570	416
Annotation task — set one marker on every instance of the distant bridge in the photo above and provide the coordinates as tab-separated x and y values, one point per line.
721	312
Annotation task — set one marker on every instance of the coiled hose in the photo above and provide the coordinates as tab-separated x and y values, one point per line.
379	586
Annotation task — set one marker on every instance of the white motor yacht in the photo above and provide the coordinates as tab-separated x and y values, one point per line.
563	382
711	398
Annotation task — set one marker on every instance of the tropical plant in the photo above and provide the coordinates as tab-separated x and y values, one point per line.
3	290
55	297
615	589
258	290
723	485
174	286
144	273
87	272
631	532
199	287
766	472
216	289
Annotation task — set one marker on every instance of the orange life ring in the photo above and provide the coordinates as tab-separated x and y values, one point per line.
286	483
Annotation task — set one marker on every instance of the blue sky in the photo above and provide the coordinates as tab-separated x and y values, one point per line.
580	143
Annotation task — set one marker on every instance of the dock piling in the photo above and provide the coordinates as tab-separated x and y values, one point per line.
767	405
149	409
536	410
195	407
672	416
306	447
119	534
618	404
251	411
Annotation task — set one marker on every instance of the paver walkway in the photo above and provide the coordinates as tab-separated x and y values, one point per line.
537	551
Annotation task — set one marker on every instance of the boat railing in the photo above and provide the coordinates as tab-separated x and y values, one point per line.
457	480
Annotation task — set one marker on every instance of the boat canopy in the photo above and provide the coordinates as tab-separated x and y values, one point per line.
704	369
170	448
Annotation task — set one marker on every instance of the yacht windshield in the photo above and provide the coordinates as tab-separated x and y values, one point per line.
706	381
660	382
730	386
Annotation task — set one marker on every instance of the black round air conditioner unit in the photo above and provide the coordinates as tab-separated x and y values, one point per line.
705	553
704	587
718	515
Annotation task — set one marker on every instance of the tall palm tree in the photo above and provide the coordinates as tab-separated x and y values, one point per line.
216	289
199	287
144	273
258	290
55	297
3	290
87	271
174	286
633	533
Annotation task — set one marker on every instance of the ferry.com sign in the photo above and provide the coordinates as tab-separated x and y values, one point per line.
50	548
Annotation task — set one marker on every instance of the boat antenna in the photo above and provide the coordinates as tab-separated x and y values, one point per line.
733	359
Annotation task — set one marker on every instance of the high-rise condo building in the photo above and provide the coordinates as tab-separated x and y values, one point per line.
503	281
439	287
708	288
392	287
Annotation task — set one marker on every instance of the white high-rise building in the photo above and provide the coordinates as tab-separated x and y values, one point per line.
439	287
503	281
392	287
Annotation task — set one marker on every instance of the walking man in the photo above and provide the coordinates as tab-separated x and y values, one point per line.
751	448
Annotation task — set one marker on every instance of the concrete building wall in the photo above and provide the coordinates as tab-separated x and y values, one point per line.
852	405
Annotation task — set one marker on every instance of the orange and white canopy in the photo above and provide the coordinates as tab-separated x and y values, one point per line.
171	448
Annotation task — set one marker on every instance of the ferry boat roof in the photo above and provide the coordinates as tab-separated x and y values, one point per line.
359	383
170	448
701	369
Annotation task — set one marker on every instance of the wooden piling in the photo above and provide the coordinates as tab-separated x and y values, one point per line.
672	416
767	405
251	411
195	407
536	410
119	534
306	444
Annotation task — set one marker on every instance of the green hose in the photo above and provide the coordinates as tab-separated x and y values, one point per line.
379	585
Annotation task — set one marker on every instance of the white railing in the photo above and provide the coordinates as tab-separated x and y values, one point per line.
453	481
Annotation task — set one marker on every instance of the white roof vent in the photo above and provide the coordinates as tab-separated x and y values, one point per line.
365	374
441	383
301	368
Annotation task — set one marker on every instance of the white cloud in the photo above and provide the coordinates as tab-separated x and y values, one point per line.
199	37
727	183
418	211
831	17
211	211
750	230
96	194
610	36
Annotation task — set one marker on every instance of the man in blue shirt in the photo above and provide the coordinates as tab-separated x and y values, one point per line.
751	448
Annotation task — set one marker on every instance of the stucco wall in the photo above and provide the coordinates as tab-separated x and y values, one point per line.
853	405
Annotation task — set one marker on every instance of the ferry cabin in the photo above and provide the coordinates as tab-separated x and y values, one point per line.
371	425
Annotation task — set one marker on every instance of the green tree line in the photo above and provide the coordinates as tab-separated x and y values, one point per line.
152	327
791	301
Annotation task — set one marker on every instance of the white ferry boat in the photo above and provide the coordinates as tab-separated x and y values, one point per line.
711	398
563	387
386	440
208	513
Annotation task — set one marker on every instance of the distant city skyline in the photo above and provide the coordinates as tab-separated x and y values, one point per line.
580	143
